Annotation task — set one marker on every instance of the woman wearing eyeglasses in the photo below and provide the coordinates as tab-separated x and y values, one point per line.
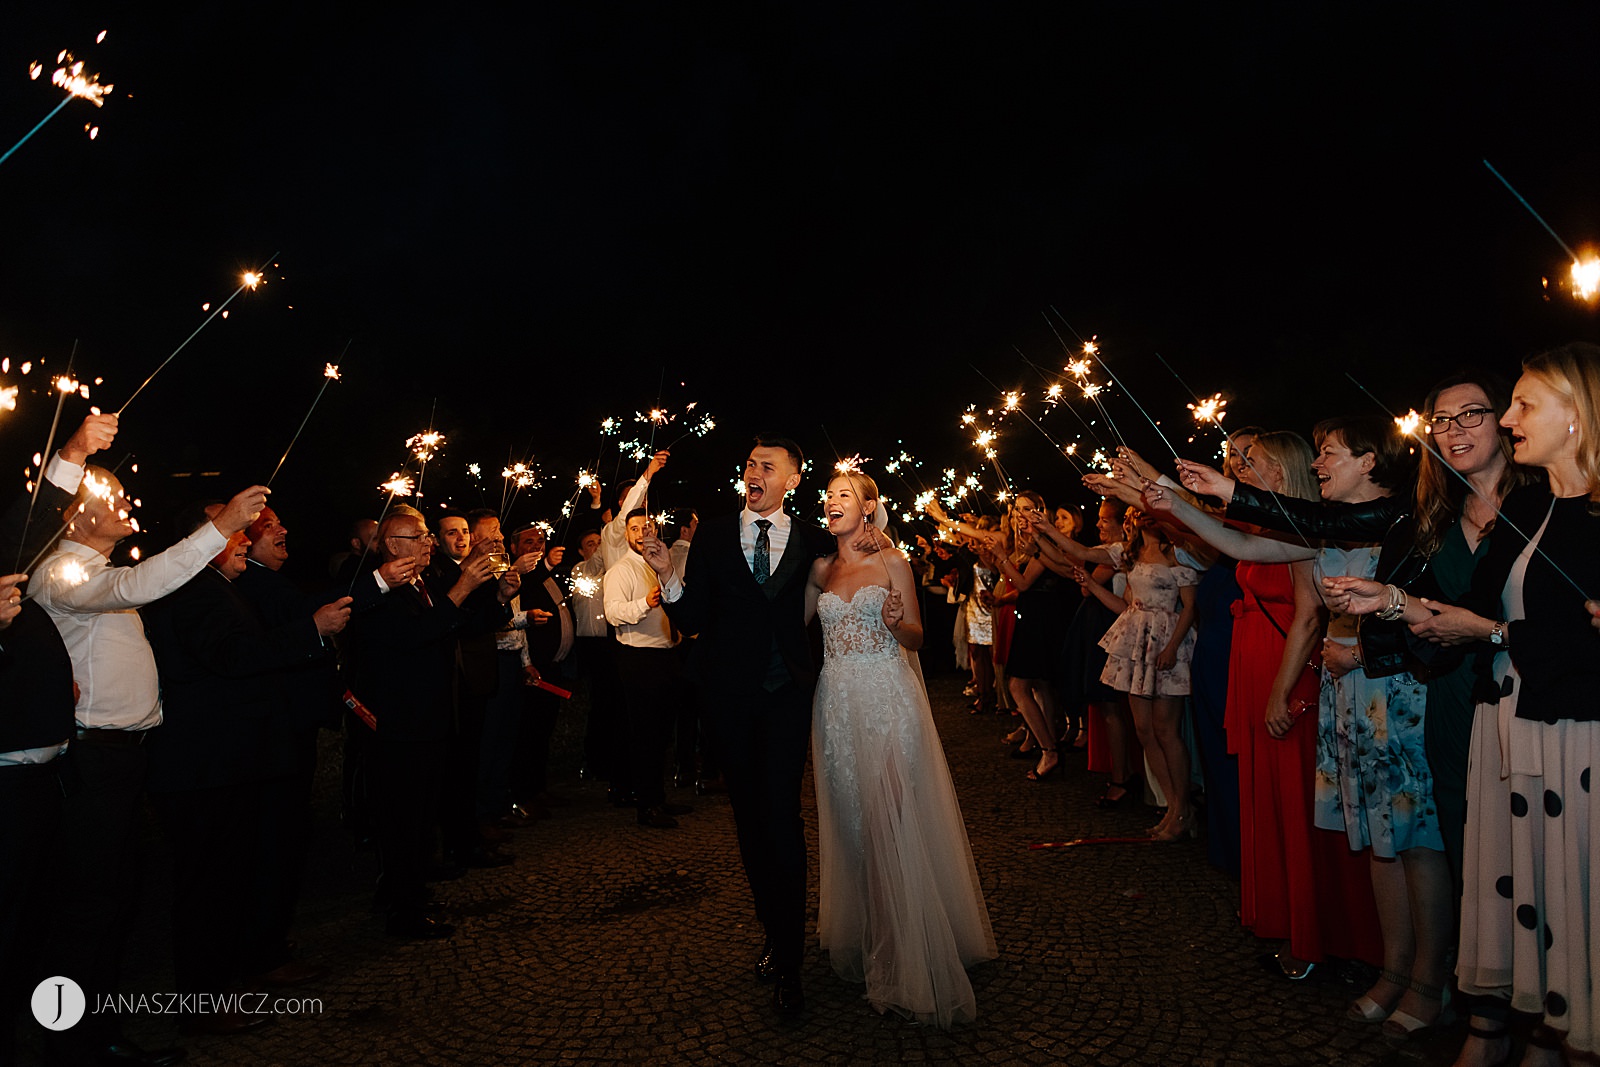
1528	923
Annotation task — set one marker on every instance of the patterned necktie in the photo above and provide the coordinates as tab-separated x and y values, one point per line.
763	564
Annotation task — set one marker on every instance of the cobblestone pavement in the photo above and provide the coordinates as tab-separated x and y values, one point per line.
608	943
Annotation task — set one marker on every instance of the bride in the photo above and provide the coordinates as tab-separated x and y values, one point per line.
900	905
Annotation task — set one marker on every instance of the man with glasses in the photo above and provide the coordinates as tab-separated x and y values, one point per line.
403	663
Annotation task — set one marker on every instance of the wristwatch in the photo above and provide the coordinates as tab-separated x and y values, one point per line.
1497	636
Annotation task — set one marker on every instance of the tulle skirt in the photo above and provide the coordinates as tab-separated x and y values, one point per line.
900	905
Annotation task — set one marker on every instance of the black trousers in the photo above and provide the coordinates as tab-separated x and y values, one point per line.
405	789
278	866
760	740
596	662
30	812
92	886
458	784
213	834
651	693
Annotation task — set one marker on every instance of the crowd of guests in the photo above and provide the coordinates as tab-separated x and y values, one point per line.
1372	655
199	679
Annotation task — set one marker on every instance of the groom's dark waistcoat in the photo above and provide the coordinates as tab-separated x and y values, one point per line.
749	634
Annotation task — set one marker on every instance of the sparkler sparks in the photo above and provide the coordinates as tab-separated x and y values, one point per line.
1078	368
609	425
398	485
330	371
474	469
849	465
73	572
1212	409
425	445
585	479
1053	394
1091	390
585	586
1586	278
1011	400
250	280
8	398
655	417
1409	423
520	475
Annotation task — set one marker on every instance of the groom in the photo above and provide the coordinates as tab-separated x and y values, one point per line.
743	593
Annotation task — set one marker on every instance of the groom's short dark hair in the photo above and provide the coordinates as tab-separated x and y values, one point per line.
767	440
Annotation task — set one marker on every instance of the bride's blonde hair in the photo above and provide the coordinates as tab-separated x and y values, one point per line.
862	486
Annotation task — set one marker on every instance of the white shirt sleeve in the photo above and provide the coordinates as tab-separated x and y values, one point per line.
121	588
64	475
614	535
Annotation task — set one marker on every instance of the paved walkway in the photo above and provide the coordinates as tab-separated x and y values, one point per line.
606	943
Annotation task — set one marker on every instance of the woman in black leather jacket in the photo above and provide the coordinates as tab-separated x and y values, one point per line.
1527	930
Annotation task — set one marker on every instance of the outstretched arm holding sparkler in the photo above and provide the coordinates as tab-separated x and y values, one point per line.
936	512
1235	543
1082	555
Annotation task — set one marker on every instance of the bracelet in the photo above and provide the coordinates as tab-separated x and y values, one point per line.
1396	607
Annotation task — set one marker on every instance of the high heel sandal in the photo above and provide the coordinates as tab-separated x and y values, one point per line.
1036	775
1107	802
1366	1010
1180	827
1404	1026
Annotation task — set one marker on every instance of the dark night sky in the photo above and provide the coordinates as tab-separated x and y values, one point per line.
810	214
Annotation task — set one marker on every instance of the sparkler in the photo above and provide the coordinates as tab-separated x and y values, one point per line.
1536	216
1585	275
94	487
424	446
40	460
1091	348
70	78
330	373
700	428
399	484
1586	278
1414	420
8	398
1011	401
251	280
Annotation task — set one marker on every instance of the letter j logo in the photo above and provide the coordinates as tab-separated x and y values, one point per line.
58	1003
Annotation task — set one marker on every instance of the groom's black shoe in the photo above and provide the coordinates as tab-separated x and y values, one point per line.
767	964
788	999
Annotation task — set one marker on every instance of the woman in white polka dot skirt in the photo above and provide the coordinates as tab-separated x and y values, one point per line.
1530	916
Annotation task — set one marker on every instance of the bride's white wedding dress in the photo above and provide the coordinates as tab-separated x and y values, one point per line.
900	905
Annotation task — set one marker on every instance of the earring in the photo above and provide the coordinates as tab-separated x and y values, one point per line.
1572	428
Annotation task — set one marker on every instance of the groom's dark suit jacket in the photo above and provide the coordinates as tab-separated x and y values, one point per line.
740	622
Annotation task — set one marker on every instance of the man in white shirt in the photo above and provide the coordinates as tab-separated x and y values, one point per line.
648	671
614	535
95	866
593	651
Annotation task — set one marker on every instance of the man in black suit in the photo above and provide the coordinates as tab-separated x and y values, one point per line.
311	690
743	593
221	672
402	650
543	596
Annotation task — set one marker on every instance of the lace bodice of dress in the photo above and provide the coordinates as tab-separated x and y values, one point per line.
855	627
